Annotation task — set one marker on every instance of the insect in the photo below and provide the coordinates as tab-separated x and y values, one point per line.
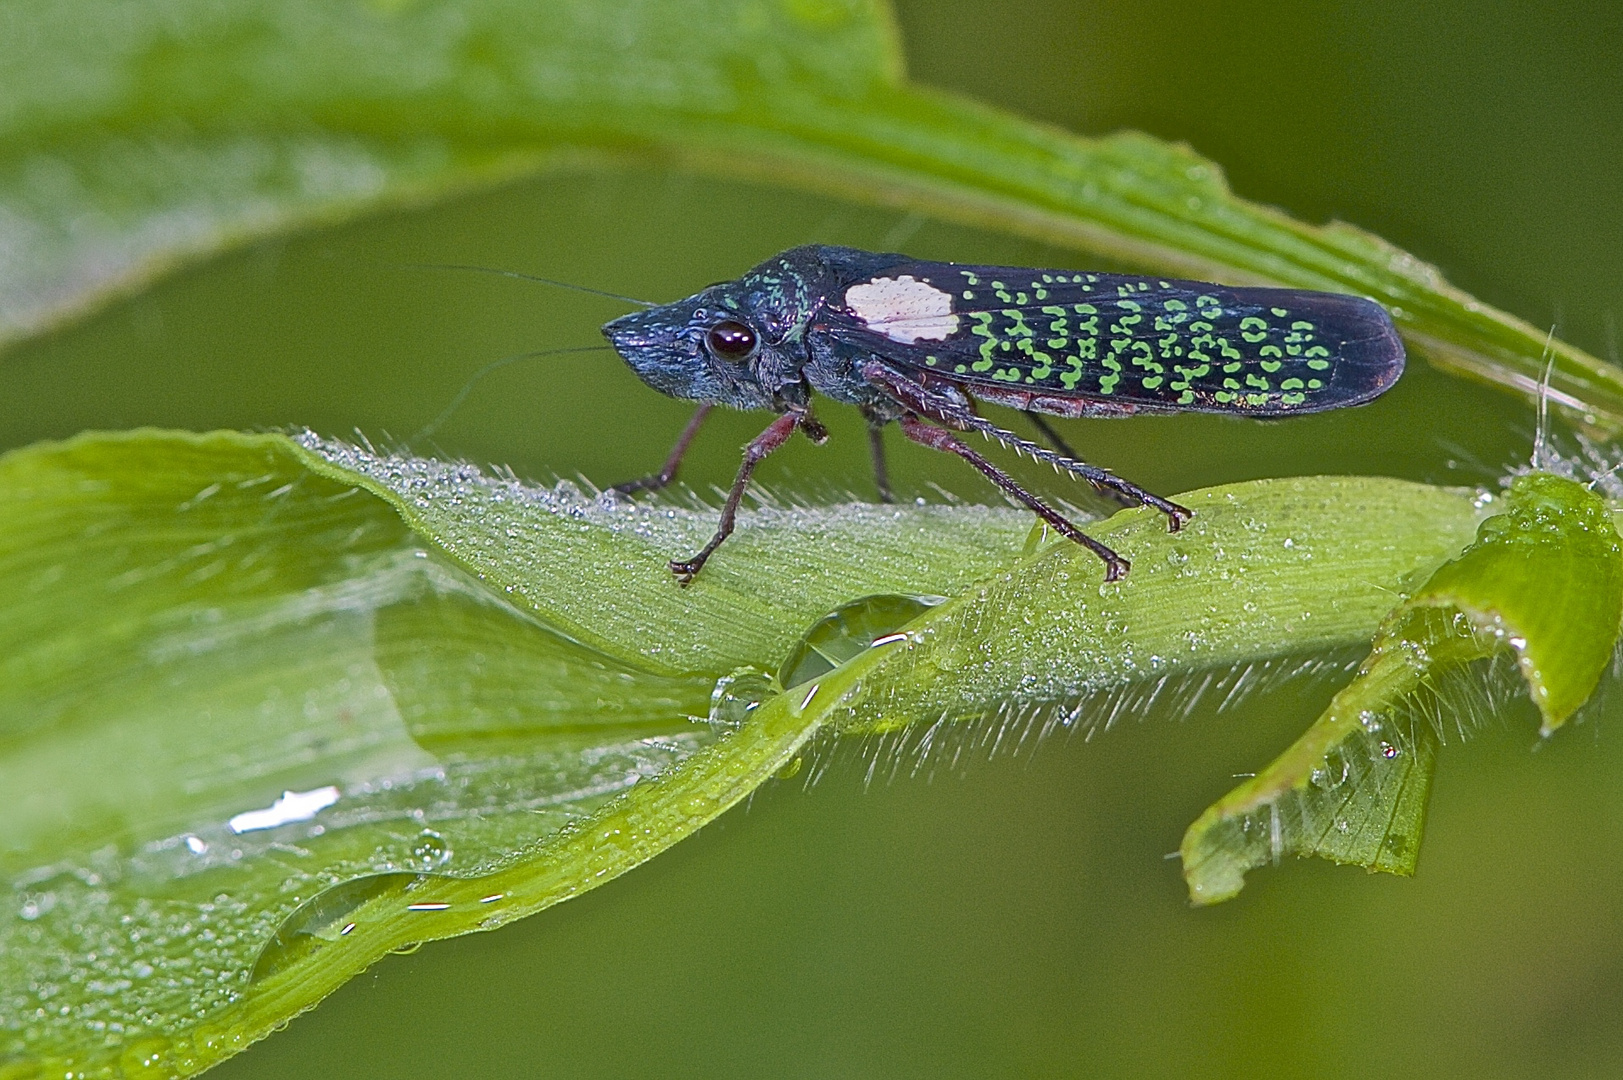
920	343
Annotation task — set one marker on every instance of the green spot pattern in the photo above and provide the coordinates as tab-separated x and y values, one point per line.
1135	340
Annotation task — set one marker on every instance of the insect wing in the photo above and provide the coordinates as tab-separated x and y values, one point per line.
1139	343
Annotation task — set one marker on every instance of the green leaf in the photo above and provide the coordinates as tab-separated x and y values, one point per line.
464	724
560	554
1544	579
137	136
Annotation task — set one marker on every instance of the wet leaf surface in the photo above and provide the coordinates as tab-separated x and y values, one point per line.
258	732
1543	580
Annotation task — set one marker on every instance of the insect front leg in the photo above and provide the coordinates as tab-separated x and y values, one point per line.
776	434
939	439
673	462
916	397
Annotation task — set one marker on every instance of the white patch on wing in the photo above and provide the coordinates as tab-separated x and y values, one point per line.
903	309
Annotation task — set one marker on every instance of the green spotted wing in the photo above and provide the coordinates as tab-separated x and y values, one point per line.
1044	338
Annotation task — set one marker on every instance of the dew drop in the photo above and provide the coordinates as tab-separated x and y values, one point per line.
430	849
146	1058
738	694
847	632
36	904
322	920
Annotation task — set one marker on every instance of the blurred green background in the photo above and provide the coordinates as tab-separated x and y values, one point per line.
1013	916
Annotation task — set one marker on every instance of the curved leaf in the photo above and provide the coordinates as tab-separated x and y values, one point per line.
1544	579
596	567
257	731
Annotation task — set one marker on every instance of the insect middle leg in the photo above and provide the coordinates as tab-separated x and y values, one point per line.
673	462
776	434
940	439
876	450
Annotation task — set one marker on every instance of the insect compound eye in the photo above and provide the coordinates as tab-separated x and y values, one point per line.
732	340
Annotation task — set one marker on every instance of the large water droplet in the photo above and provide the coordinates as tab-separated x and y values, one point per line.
848	631
322	920
736	696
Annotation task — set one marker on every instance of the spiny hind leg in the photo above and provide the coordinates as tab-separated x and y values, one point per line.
1058	444
941	439
914	396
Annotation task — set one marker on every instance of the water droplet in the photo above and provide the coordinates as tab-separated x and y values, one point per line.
323	919
1389	751
430	849
848	631
146	1058
1039	535
36	904
737	695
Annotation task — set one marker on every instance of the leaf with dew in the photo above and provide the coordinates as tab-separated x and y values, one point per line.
1543	580
273	708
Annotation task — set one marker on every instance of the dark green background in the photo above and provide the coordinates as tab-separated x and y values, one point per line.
1013	917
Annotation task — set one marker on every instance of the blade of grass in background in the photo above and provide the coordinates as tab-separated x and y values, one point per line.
136	136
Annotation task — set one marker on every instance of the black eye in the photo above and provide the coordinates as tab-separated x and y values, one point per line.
731	340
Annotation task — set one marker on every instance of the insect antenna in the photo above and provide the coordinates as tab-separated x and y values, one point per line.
531	277
467	387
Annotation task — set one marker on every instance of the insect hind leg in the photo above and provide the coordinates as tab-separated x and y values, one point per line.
1103	479
940	439
1058	443
916	397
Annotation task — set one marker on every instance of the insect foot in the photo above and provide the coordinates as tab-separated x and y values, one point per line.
686	570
